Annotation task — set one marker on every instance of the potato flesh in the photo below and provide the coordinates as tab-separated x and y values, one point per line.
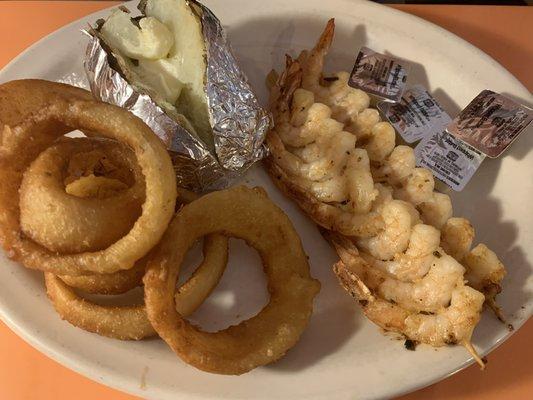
152	41
178	76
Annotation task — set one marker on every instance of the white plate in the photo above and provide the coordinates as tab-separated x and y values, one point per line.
341	355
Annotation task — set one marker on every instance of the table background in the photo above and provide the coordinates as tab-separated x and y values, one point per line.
505	33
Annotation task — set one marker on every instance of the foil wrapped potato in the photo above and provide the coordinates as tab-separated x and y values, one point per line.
173	67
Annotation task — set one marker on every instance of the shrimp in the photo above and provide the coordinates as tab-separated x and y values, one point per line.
332	160
330	190
333	145
417	259
485	272
430	293
359	183
399	165
345	101
421	279
437	210
398	217
334	157
383	197
363	124
320	158
302	101
457	237
453	324
317	122
402	255
415	185
417	188
326	215
381	141
309	153
353	187
313	63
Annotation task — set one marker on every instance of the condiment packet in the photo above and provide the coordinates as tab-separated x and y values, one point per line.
416	115
379	74
490	123
450	159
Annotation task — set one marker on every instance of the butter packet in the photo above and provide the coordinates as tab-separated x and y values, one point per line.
485	127
416	115
450	159
379	74
490	123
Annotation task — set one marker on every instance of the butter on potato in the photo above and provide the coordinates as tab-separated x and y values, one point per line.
165	53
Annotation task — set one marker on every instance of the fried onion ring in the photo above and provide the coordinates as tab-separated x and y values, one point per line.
250	215
21	98
87	218
22	143
130	322
199	286
188	297
116	283
124	323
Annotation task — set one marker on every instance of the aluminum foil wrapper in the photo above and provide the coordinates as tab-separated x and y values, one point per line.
238	121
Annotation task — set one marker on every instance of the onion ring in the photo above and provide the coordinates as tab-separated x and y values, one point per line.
188	297
66	223
247	214
116	283
35	134
20	99
87	224
127	323
199	286
124	323
131	322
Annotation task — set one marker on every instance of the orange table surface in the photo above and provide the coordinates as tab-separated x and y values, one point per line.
503	32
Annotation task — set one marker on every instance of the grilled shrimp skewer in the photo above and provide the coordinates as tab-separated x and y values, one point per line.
402	264
453	324
403	255
335	174
396	165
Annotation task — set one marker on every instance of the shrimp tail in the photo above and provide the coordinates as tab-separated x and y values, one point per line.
283	89
325	40
312	61
468	346
352	283
348	267
271	79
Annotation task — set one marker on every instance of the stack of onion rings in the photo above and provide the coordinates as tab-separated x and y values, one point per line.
35	134
94	221
53	206
93	214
